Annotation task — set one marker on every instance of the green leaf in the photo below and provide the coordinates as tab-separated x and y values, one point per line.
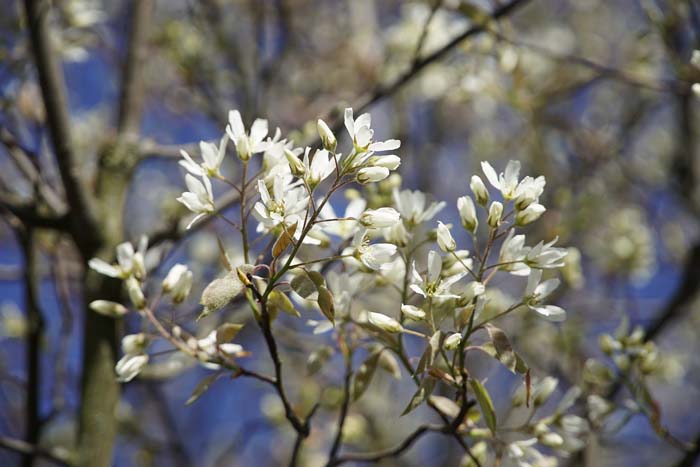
363	376
428	357
279	301
484	400
325	302
445	405
223	256
202	387
317	278
227	331
501	349
303	285
424	391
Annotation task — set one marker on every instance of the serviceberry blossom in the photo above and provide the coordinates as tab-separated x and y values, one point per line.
200	198
414	207
212	156
130	261
247	144
433	285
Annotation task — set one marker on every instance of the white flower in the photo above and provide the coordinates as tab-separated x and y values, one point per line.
361	133
528	191
129	261
413	208
372	174
319	167
346	227
514	252
284	206
384	322
506	182
375	256
529	214
129	366
495	213
444	238
247	144
212	155
380	218
200	198
413	312
467	213
545	256
536	292
479	189
179	282
327	136
433	285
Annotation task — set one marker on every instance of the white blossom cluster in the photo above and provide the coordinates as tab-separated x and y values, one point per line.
436	293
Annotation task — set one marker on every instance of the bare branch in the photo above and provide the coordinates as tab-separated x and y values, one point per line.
21	447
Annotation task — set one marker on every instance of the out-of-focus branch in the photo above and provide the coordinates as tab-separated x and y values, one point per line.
35	325
392	452
21	447
384	91
53	91
672	86
132	91
23	160
30	215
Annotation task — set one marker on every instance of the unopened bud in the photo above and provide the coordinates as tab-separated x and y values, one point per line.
295	164
384	322
135	293
107	308
479	189
327	136
495	213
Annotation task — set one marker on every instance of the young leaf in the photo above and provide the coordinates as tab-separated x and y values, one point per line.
445	405
303	285
363	376
484	400
226	332
278	301
423	392
317	278
202	387
284	240
325	302
223	256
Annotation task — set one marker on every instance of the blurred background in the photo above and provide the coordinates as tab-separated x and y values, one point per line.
594	95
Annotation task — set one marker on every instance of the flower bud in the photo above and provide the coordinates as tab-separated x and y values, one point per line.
134	344
135	293
139	266
384	322
295	164
372	174
327	136
622	362
529	214
182	287
380	218
129	366
391	161
173	277
467	213
551	439
107	308
444	238
495	213
413	312
479	189
452	341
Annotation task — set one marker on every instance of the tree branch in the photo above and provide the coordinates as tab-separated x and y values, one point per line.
53	91
22	447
